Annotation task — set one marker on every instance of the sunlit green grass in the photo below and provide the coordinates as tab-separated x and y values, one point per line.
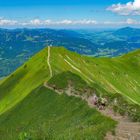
114	75
27	107
46	114
107	75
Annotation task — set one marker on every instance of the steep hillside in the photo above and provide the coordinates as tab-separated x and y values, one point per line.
25	103
114	75
44	114
106	75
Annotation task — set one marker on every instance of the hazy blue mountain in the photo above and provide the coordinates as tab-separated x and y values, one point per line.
114	42
18	45
127	32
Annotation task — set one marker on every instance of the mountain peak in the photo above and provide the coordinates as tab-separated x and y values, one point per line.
129	31
127	28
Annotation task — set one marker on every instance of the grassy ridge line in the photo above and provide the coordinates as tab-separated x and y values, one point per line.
25	79
121	73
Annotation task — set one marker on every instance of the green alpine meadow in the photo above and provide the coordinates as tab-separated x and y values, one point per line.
69	69
51	97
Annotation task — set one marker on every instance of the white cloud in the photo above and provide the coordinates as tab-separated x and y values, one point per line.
128	21
65	22
86	22
77	22
132	21
4	22
130	8
36	22
47	22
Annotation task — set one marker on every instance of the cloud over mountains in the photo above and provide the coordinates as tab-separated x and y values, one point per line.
130	8
38	22
66	22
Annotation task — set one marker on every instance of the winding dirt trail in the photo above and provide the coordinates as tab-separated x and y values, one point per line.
125	130
48	61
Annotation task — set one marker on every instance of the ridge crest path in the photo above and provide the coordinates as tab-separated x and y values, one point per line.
125	129
48	61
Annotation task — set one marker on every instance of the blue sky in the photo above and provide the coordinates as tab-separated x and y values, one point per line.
69	13
56	2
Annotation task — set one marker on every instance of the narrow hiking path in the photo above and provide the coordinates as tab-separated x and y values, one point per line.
48	61
125	129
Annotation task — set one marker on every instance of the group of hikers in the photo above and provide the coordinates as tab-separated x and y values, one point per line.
99	102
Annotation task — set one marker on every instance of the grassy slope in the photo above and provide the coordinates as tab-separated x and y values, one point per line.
76	80
69	79
44	113
23	81
115	75
119	75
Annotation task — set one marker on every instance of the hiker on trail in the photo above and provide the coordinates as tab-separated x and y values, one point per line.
115	101
54	87
102	102
95	100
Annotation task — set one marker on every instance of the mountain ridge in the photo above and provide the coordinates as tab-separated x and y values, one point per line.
95	71
56	78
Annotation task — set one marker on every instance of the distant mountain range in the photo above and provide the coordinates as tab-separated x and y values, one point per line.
18	45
